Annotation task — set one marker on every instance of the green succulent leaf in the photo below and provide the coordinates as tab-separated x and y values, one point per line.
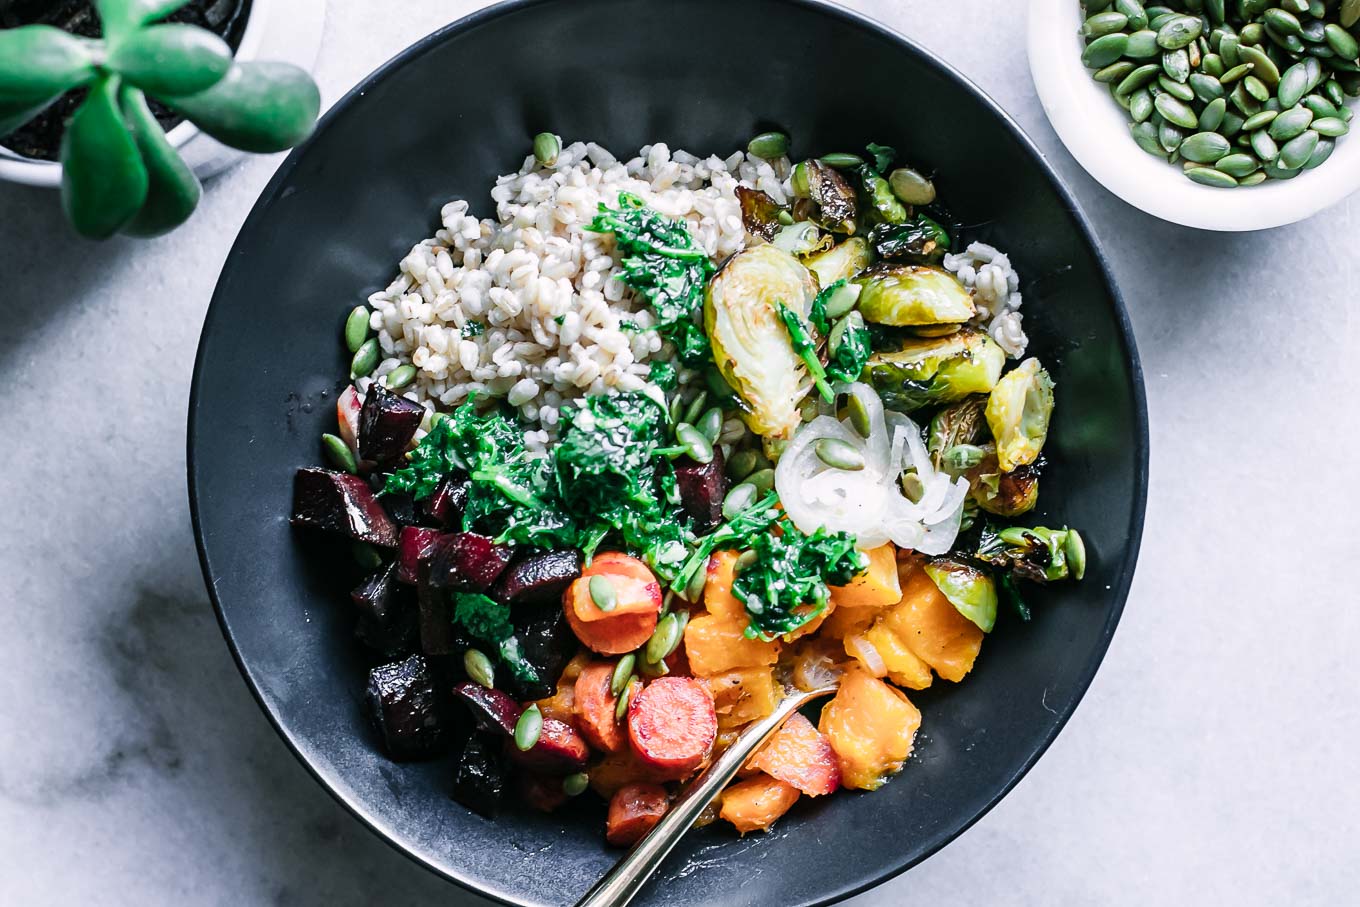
169	60
172	189
122	17
104	181
38	64
258	107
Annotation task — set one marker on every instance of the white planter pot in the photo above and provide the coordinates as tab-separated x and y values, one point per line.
284	30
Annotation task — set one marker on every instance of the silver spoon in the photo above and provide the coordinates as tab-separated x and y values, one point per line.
622	883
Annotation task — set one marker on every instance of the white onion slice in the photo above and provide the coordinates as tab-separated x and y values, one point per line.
862	649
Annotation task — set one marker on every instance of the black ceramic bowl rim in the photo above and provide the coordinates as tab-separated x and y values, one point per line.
1117	594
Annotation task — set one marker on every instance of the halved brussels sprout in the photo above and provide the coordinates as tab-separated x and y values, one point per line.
907	295
802	238
834	197
840	263
960	423
750	341
919	240
1018	412
926	371
759	213
971	591
1037	554
1008	494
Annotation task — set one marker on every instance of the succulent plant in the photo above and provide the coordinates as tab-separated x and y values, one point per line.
120	173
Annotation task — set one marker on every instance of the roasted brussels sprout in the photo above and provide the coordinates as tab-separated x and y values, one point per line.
970	590
802	238
841	262
960	423
1038	554
833	197
919	240
759	213
936	370
909	295
1008	494
880	197
1018	411
750	341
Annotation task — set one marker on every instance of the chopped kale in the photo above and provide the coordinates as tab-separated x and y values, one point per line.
806	349
789	583
488	621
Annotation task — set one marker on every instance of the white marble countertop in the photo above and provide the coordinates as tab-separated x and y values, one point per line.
1209	764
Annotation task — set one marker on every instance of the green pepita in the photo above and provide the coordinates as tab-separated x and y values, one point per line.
912	188
1140	105
664	639
1296	152
1253	179
479	668
1320	106
1176	111
962	457
1145	135
546	148
1264	146
1207	176
1211	117
1102	51
844	297
1204	147
338	452
1256	88
1113	73
768	146
575	785
1290	123
859	416
1237	165
1176	89
366	556
1263	67
1264	118
356	328
1137	79
710	424
1105	23
843	161
1142	45
1253	33
400	376
1170	137
1330	127
1212	65
1244	101
740	497
1349	14
741	464
1074	550
621	709
1228	51
839	454
602	592
1324	150
365	359
695	409
1206	87
763	479
1294	84
1179	31
623	672
528	729
1176	65
1232	124
1134	12
1282	21
697	446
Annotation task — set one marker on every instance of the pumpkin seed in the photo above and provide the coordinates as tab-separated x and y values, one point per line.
1206	87
1133	11
763	479
1292	43
1115	72
740	497
1101	52
1341	41
1290	123
842	161
1282	21
1252	34
1293	85
1106	23
529	728
546	148
741	464
962	457
602	592
1212	65
859	416
1296	152
664	639
1228	51
1237	165
1156	22
1299	7
1169	137
1232	124
366	556
1264	118
623	671
839	454
710	424
1320	106
1074	550
1279	173
912	188
575	785
1142	45
338	452
365	359
1176	89
1179	31
356	328
400	376
1204	147
1349	13
695	409
1211	117
1254	179
1140	105
479	668
1176	111
1137	79
696	445
1264	146
1330	127
1256	88
769	145
1317	9
1243	101
1207	176
626	697
1324	150
1176	64
694	589
1263	67
1315	32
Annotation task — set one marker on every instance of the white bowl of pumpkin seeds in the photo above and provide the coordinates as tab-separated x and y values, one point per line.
1197	137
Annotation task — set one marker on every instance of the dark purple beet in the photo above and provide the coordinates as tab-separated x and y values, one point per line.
467	561
413	552
480	779
404	707
386	618
341	503
535	578
387	423
438	636
493	710
702	489
400	507
548	644
560	750
445	504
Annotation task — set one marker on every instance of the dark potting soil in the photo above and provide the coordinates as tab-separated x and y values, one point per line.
40	138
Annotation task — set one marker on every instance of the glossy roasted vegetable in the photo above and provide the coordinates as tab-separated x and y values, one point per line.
802	239
960	423
880	196
936	370
919	240
759	212
1018	412
1007	494
909	295
750	341
834	198
968	589
842	262
1039	554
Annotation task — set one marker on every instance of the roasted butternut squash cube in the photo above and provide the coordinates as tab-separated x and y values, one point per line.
844	621
755	804
876	587
716	644
904	668
871	727
743	695
718	597
933	629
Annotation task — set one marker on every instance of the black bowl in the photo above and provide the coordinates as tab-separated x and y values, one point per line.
441	121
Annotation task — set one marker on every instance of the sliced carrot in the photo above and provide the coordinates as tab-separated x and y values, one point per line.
672	725
595	708
634	810
619	769
800	755
631	621
755	804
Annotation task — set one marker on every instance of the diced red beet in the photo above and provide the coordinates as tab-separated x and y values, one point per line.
445	504
386	619
404	707
493	710
560	750
702	489
481	776
537	578
467	561
387	424
341	503
438	636
541	792
547	643
413	552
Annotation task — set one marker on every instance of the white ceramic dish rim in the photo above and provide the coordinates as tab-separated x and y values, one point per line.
1095	130
18	169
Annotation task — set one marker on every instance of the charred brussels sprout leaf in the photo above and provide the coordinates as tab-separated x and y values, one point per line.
1037	554
969	590
960	423
833	196
883	155
919	240
750	340
936	370
912	295
1018	412
842	262
1008	494
759	213
802	238
880	197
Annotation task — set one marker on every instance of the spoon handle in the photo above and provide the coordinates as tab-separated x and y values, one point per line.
622	883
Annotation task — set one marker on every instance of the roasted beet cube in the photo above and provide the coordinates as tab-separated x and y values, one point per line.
400	507
387	423
546	640
467	561
493	710
538	577
481	776
405	709
386	617
560	750
341	503
445	505
702	489
438	636
413	552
